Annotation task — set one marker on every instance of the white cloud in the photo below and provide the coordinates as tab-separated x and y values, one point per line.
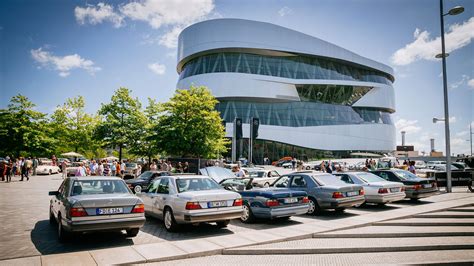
98	14
285	11
470	83
452	119
464	80
157	68
462	133
170	39
63	64
410	126
424	47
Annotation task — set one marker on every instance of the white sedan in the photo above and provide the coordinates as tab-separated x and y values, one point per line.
263	178
185	199
377	190
45	169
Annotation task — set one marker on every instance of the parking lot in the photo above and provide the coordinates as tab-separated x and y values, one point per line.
26	231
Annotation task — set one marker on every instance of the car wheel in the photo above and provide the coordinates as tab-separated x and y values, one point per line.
222	224
169	221
52	219
50	172
313	207
308	167
63	235
133	232
247	215
266	185
340	210
137	189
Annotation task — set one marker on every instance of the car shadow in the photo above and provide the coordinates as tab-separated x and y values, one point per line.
408	202
377	208
45	238
266	223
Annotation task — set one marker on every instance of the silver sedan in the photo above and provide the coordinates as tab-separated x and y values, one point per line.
190	199
83	204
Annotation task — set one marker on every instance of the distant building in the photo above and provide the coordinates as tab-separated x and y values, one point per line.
313	98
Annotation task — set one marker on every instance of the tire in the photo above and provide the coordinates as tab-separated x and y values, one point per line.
137	189
340	210
63	235
308	167
133	232
50	172
470	188
52	219
223	224
169	221
313	208
247	215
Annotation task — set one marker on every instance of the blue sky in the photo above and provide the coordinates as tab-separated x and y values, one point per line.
51	50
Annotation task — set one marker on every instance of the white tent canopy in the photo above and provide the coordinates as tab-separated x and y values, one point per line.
71	154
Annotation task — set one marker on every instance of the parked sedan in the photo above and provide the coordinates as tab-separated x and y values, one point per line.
263	178
325	191
47	169
84	204
182	199
142	182
266	203
377	190
415	187
130	171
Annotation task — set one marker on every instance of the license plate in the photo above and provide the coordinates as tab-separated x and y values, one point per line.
427	185
291	200
394	189
217	204
105	211
352	193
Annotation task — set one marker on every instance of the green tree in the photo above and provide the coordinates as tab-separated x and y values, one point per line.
122	121
23	130
190	126
73	127
144	146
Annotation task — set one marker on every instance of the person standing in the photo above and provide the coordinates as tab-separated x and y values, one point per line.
293	163
29	166
100	169
122	168
63	169
35	165
153	166
9	171
24	170
113	168
186	167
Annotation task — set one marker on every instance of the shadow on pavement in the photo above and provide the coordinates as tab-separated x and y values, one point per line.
45	238
266	223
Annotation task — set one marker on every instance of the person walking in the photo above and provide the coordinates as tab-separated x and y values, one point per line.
35	165
122	168
29	166
100	169
113	168
9	171
64	169
24	170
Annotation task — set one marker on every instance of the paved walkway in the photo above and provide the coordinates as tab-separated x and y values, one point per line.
27	236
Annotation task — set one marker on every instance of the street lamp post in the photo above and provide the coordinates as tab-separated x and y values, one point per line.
454	11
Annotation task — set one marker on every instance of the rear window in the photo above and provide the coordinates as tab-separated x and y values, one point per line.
405	175
95	187
329	180
370	178
256	174
196	184
131	165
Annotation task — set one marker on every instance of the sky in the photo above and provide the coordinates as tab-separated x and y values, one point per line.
51	50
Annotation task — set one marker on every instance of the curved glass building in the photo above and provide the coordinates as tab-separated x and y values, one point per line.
313	98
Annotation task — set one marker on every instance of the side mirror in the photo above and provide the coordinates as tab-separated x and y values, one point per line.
53	193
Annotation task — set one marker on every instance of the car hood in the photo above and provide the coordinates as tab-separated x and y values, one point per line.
273	193
104	200
209	195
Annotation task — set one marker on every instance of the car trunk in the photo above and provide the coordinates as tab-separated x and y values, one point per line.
92	203
208	195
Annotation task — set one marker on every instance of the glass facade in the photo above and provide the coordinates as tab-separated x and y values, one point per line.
333	94
301	114
295	67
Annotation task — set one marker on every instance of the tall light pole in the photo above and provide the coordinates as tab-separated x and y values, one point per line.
454	11
470	136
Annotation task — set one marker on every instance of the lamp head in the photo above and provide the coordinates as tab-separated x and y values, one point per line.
456	10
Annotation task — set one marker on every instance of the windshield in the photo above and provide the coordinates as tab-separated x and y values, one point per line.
131	165
196	184
217	173
405	175
145	175
329	180
370	178
256	174
94	187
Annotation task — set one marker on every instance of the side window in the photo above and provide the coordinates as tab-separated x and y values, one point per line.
392	177
154	186
298	181
282	182
382	175
65	191
163	188
346	179
274	174
61	187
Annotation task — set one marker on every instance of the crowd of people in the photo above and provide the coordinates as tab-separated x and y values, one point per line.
98	168
23	167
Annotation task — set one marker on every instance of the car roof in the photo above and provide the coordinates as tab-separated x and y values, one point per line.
95	178
186	176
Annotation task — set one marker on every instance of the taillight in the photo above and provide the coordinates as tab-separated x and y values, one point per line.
361	192
193	206
139	208
238	202
77	212
337	195
305	200
402	189
417	187
383	190
272	203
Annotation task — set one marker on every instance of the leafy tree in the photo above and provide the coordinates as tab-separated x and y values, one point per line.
73	127
190	126
23	130
144	145
122	121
